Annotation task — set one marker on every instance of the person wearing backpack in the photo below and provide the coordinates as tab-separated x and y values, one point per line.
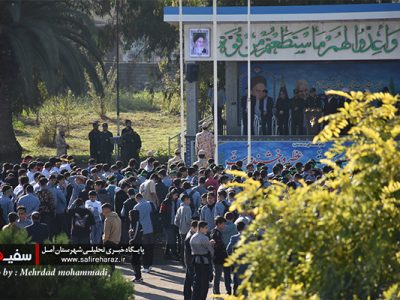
82	220
222	206
145	212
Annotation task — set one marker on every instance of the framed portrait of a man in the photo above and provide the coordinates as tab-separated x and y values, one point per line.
199	42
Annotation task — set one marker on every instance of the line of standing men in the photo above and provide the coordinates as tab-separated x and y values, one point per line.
101	144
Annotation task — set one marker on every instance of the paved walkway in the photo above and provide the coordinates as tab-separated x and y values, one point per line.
164	282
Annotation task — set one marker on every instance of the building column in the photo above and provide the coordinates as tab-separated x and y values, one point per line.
192	119
232	105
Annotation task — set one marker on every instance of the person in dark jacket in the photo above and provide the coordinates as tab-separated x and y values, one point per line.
106	145
238	269
282	111
161	188
82	220
37	231
102	194
120	197
94	139
127	206
266	110
135	240
168	210
130	143
219	256
84	194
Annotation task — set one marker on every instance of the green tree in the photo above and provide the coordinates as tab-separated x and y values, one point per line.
41	41
339	237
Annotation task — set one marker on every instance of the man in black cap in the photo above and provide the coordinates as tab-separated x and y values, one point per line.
130	143
94	138
106	145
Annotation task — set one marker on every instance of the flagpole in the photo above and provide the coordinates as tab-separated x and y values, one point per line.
215	75
249	125
181	77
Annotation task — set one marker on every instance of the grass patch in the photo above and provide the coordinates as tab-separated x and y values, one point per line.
153	125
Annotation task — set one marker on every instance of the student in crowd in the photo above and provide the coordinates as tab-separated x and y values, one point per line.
22	221
145	209
95	207
38	232
135	240
82	221
240	226
202	252
209	212
112	226
189	276
220	255
183	220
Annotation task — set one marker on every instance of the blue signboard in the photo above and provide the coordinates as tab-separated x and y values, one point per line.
271	152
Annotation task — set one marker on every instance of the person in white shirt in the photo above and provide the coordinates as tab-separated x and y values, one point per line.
56	168
32	169
144	163
66	165
95	207
46	170
148	190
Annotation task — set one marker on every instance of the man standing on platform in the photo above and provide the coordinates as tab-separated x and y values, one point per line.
94	139
282	111
297	107
312	113
266	109
130	143
106	145
205	142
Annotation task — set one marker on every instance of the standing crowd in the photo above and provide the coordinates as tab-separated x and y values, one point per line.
186	209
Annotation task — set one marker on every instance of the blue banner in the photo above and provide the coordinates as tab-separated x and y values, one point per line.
271	152
344	75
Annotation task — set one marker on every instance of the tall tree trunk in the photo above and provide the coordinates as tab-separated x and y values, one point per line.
10	149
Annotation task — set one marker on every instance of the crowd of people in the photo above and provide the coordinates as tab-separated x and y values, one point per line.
142	204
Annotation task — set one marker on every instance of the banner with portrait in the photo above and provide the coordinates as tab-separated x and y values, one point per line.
199	42
373	76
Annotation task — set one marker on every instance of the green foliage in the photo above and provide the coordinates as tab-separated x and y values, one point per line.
56	112
140	101
339	237
102	103
170	79
59	239
9	237
52	43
